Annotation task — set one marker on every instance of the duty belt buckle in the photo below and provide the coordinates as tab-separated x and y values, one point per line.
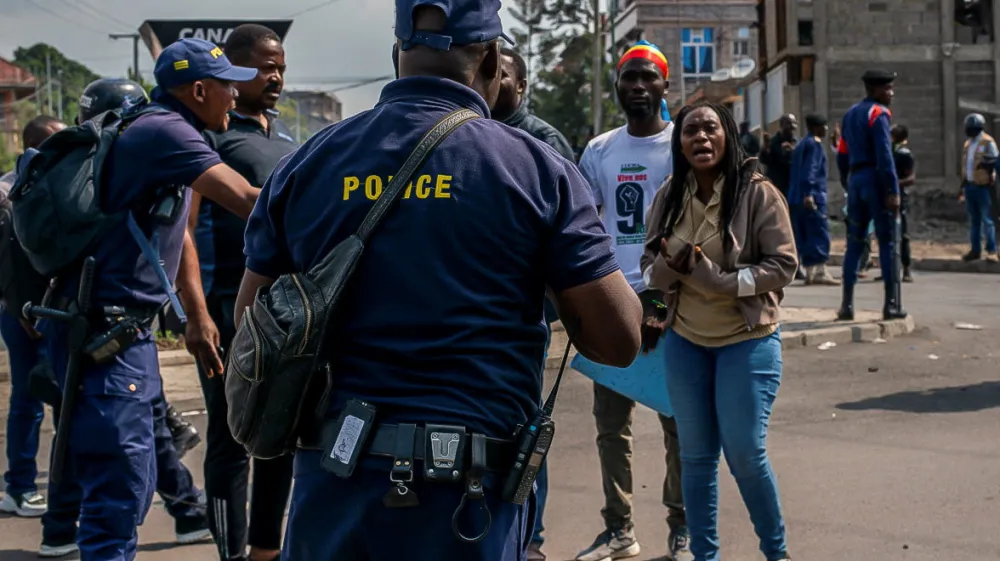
444	457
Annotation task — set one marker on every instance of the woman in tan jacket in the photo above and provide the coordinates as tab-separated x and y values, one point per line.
720	247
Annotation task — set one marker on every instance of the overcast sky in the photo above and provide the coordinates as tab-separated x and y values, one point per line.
345	39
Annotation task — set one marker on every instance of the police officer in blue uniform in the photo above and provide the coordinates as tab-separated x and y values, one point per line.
253	144
112	441
444	324
873	189
174	483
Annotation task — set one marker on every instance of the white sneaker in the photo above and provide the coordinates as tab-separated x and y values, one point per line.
51	551
193	537
28	505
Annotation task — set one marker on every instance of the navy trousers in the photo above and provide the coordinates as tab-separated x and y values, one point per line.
334	519
174	484
112	447
24	421
812	234
865	204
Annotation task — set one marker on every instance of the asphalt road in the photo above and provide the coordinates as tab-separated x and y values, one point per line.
882	452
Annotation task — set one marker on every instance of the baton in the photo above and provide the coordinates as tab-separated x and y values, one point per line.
77	335
897	258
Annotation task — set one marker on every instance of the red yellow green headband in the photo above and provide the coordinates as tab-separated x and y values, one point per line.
647	52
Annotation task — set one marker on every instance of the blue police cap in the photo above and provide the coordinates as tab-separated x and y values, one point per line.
190	60
467	22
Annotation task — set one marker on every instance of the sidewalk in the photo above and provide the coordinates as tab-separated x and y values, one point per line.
936	264
800	327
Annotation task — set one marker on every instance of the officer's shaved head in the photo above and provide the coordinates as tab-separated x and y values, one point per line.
245	38
39	129
476	65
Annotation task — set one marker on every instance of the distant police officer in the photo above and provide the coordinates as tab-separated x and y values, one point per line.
444	323
873	189
252	145
112	443
173	480
807	202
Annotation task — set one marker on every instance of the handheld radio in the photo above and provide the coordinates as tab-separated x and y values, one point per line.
533	442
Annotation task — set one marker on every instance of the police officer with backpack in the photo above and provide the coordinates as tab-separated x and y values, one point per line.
156	150
436	351
174	483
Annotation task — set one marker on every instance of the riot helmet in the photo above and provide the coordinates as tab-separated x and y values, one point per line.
106	94
974	124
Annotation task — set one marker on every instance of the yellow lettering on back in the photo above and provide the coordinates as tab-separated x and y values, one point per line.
442	186
423	191
373	187
350	184
409	191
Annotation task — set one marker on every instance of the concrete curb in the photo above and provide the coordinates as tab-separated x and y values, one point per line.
938	265
866	332
850	333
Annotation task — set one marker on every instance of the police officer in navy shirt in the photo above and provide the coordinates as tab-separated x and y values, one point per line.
111	446
174	483
444	324
253	144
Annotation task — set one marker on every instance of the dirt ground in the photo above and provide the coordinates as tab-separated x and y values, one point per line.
928	239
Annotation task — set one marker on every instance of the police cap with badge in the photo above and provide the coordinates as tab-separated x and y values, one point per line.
878	77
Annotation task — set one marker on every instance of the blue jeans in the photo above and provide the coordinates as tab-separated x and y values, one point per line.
977	205
722	399
24	422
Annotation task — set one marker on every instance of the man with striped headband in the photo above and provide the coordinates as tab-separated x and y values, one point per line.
625	168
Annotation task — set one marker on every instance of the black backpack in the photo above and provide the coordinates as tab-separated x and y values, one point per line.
20	283
57	216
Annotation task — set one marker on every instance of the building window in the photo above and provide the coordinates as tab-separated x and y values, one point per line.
698	51
741	48
805	33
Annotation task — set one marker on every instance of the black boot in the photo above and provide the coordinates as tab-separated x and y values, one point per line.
185	436
846	312
892	308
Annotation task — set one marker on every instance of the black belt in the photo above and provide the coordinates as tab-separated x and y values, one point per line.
858	167
499	453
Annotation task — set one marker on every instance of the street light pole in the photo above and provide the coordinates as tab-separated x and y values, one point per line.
135	37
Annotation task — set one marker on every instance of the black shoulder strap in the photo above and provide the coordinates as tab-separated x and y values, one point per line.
427	144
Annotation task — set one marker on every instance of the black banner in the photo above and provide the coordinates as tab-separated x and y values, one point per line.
157	34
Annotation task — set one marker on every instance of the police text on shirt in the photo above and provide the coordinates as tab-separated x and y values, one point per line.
424	187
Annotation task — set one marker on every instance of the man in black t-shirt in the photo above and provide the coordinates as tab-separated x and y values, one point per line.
252	145
906	171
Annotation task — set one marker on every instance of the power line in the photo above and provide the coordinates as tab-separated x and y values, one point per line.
106	14
80	10
311	8
57	15
362	84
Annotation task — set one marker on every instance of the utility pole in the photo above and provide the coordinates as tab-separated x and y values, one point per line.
597	76
59	103
135	37
48	81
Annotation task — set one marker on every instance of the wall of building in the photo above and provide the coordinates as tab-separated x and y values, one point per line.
917	104
662	25
878	23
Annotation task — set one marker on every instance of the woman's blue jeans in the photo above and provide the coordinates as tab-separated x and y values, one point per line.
722	399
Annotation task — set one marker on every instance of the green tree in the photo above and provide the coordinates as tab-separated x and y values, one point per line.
73	76
556	37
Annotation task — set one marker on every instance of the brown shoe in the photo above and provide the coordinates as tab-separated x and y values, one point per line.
821	276
535	553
